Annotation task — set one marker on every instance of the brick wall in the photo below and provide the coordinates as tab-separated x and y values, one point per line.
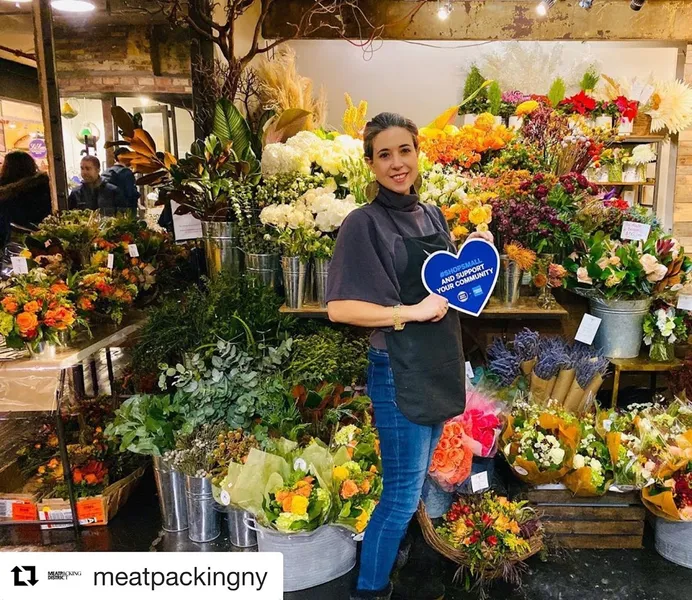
682	220
123	59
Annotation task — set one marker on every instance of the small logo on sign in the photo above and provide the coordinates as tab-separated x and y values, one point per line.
21	579
477	291
463	297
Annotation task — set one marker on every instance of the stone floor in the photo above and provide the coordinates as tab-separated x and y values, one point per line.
577	575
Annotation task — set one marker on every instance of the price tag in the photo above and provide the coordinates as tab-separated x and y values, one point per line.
685	302
225	498
133	251
469	370
359	537
24	511
300	465
587	330
479	482
635	231
111	258
521	470
19	265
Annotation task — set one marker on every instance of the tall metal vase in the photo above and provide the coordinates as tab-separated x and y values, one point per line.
203	518
222	247
171	488
321	274
295	276
509	282
265	268
621	331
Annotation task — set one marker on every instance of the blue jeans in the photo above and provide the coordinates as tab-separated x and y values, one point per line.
406	453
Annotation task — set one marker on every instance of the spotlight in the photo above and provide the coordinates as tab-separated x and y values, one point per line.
544	6
444	9
586	4
636	5
73	6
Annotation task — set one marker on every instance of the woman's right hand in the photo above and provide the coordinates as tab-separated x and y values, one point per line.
433	308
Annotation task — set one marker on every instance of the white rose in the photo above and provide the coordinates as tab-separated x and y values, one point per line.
557	455
596	465
648	262
578	461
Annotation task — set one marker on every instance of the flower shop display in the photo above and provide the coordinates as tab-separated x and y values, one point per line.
664	326
487	535
592	471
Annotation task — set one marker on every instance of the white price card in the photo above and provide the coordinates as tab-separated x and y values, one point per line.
19	265
479	482
635	231
185	227
111	258
685	302
469	370
587	329
133	250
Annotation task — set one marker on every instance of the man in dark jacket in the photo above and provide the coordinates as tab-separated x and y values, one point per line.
124	179
95	193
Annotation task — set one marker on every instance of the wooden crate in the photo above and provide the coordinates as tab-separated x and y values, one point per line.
611	521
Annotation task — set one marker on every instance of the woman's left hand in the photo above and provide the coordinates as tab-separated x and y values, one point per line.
482	235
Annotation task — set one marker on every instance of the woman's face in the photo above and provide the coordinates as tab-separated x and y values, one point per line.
395	159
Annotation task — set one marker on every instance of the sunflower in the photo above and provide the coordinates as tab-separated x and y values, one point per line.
671	107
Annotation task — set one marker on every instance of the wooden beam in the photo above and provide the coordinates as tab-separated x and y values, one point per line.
50	102
662	20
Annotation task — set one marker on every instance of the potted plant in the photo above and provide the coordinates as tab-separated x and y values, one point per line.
664	326
475	100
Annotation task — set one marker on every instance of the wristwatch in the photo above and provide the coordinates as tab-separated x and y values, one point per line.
398	325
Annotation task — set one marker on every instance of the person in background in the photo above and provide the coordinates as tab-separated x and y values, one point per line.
24	194
123	178
95	193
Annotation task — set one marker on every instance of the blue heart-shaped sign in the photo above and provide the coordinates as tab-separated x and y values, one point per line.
467	279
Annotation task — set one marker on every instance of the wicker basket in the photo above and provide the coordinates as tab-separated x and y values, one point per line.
458	556
641	125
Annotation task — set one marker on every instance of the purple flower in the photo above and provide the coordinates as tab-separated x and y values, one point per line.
514	97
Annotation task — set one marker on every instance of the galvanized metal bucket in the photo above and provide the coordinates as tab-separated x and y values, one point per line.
240	532
321	274
509	282
265	268
310	559
295	277
222	247
674	541
203	518
171	488
622	325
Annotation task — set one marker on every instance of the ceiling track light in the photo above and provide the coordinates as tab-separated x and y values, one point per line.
586	4
444	9
73	6
544	6
636	5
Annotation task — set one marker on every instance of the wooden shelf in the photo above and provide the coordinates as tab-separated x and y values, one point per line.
622	183
525	308
640	139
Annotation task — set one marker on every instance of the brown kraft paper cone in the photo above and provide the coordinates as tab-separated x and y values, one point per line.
574	397
541	389
563	384
591	391
527	366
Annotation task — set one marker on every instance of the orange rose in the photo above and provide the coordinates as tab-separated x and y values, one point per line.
59	288
77	476
26	322
349	489
85	303
365	486
286	504
90	479
36	291
10	305
60	318
32	307
303	488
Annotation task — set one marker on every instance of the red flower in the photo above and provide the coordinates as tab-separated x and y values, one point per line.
492	540
487	519
580	103
628	109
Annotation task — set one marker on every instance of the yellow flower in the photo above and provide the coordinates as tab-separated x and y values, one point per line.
526	108
299	505
482	228
460	231
362	521
485	122
480	214
340	473
25	253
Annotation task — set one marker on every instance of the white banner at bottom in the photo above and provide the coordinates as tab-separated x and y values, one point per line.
140	576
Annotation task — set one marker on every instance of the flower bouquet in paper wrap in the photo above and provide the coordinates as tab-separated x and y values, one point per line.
526	344
552	358
452	458
539	444
590	369
358	443
482	421
504	365
671	499
625	449
592	469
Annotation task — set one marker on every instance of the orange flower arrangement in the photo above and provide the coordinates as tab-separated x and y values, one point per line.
451	461
10	305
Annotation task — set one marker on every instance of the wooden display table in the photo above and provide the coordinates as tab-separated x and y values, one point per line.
641	364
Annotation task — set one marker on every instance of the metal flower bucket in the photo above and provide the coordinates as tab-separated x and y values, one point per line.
203	518
265	268
322	274
295	277
222	247
171	487
622	326
674	541
509	281
240	532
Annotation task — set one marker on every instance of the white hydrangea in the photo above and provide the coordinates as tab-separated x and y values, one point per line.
308	144
282	158
578	462
329	211
285	216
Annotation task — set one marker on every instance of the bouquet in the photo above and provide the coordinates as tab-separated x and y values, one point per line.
592	470
452	458
482	420
538	444
671	498
358	493
36	308
663	327
104	292
359	444
625	449
492	532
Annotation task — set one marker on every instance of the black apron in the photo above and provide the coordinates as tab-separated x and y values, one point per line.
427	359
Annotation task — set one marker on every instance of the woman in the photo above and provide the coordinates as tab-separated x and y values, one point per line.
24	193
416	374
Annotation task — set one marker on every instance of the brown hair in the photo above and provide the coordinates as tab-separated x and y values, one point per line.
18	165
93	160
381	123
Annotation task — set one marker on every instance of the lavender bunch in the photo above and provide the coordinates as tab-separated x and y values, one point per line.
526	344
503	363
588	368
553	358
